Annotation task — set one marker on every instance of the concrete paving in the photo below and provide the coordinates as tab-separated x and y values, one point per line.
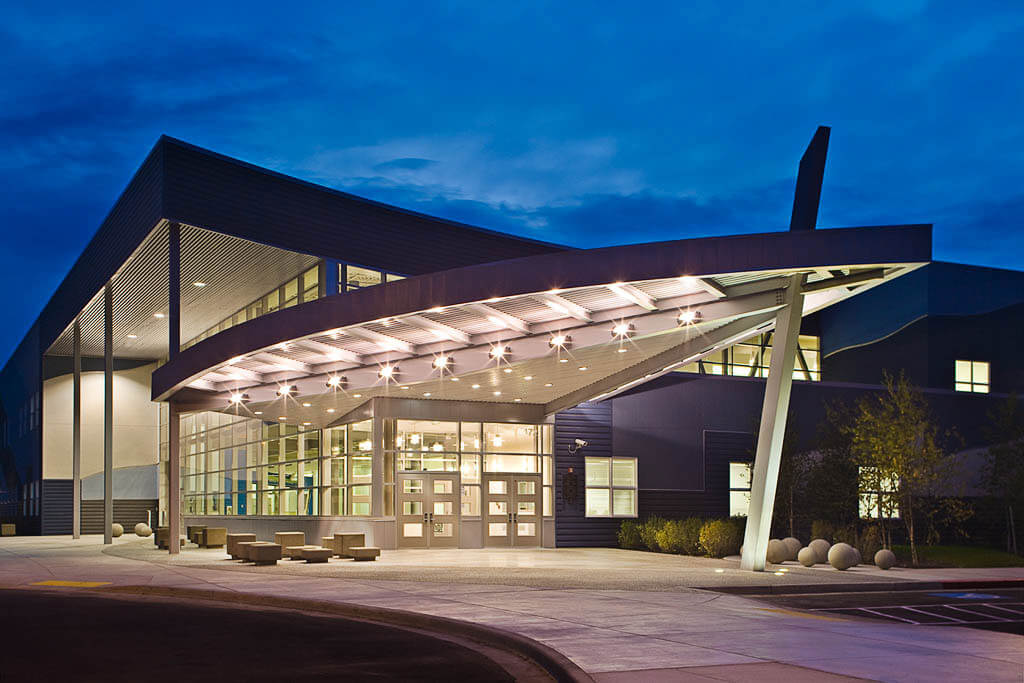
617	614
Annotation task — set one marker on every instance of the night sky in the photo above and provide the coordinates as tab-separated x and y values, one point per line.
582	123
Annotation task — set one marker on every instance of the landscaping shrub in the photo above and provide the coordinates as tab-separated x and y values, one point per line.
720	537
681	536
629	534
869	543
822	529
649	532
845	534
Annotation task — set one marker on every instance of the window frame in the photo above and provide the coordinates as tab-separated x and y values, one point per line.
972	386
611	487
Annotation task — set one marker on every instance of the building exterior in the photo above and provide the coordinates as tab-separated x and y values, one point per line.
239	345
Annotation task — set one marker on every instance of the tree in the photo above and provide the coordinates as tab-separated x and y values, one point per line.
1003	474
897	445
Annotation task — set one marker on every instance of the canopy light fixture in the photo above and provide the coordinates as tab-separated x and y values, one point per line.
282	418
337	382
287	390
158	315
623	330
238	399
330	410
500	352
133	336
387	371
198	284
560	341
689	317
443	362
307	405
258	412
357	395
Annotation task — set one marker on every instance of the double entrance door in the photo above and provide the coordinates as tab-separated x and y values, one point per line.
428	509
511	510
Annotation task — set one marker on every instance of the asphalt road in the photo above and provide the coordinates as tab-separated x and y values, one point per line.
989	609
50	636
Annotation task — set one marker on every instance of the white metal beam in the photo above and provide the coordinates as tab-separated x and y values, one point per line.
773	428
564	306
335	353
441	330
500	317
231	372
384	340
634	295
284	362
712	287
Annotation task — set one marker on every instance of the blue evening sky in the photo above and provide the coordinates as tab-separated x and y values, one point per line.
583	123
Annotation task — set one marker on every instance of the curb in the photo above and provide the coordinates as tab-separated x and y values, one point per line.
554	663
873	587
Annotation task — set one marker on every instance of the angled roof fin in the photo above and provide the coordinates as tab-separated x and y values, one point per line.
808	182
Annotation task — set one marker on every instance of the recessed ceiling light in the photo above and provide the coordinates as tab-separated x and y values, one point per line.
330	410
306	405
549	384
282	418
307	423
198	284
158	315
455	379
357	395
622	350
507	370
583	367
426	393
405	387
518	400
258	412
476	386
497	393
563	360
133	336
528	377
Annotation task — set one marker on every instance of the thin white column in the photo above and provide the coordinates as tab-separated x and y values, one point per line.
173	478
76	433
377	472
773	427
108	414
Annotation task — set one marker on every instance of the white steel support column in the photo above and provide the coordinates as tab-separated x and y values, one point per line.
773	427
173	478
76	432
377	474
108	414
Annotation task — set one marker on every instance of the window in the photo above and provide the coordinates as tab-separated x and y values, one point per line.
752	357
740	474
611	487
876	494
971	375
358	278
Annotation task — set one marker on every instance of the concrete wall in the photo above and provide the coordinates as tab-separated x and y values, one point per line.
136	430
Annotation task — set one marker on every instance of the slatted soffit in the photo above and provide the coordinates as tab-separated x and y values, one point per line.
234	271
661	324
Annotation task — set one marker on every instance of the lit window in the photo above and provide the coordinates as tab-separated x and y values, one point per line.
876	495
611	487
971	375
740	474
358	278
752	357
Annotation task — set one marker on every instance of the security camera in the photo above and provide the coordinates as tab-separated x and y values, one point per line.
580	443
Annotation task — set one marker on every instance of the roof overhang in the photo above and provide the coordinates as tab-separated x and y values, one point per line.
732	287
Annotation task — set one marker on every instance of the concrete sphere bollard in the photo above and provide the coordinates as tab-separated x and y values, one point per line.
857	556
842	556
885	559
820	547
777	552
793	545
143	530
116	529
807	557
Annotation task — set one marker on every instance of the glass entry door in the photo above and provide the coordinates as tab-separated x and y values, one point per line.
428	509
512	510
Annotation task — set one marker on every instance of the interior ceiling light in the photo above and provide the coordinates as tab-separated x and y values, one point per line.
337	382
198	284
158	315
282	418
258	412
560	341
236	359
622	330
476	386
623	349
582	368
307	405
330	410
689	317
563	360
239	398
307	423
133	336
442	362
518	400
426	393
507	371
387	371
499	352
437	309
549	384
357	395
405	387
497	393
455	379
528	377
287	390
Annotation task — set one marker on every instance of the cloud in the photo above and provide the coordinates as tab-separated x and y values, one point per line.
404	164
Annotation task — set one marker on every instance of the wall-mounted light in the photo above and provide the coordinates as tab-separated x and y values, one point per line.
689	317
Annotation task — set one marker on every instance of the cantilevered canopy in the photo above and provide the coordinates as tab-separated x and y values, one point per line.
553	330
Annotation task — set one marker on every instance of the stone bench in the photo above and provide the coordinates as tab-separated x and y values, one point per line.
234	539
192	532
264	553
212	537
244	549
163	535
328	542
315	555
344	541
294	552
363	553
286	539
6	529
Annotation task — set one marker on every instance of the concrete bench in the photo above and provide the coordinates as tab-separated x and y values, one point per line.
314	555
294	552
234	539
287	539
264	553
244	549
363	553
328	542
192	532
344	541
213	537
6	529
163	535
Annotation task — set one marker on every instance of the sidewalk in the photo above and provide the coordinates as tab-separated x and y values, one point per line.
672	632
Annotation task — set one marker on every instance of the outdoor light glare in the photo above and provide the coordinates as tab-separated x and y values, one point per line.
387	371
560	341
287	390
239	398
498	441
442	362
623	330
499	352
337	382
689	317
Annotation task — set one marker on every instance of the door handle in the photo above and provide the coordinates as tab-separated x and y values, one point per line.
510	518
431	517
426	518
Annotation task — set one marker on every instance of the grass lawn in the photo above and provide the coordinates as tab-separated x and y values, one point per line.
957	556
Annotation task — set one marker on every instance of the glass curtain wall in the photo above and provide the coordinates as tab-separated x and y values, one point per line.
752	357
349	469
472	448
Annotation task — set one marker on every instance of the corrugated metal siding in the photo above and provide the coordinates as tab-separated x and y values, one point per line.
57	506
222	194
592	422
127	513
